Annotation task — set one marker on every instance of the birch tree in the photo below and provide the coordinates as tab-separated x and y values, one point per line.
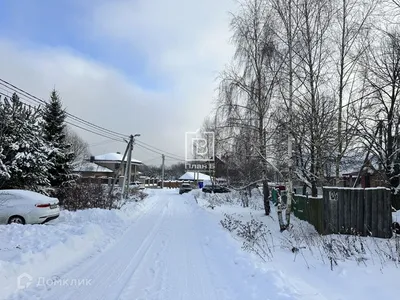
381	125
313	53
350	27
249	85
287	12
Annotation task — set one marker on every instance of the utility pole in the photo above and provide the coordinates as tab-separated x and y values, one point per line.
162	170
115	177
128	170
126	181
128	166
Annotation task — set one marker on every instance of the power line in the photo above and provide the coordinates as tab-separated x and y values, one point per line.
104	142
158	152
76	125
81	123
157	148
105	134
111	138
75	118
152	159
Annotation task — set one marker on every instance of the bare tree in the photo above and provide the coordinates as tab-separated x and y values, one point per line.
78	146
288	14
380	127
313	53
250	85
352	21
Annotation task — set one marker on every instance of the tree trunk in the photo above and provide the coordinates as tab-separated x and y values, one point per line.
341	87
290	112
267	207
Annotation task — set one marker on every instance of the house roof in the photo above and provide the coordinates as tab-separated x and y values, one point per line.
113	157
193	176
91	167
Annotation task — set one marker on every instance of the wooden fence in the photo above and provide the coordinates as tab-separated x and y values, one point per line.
310	209
170	184
396	201
348	210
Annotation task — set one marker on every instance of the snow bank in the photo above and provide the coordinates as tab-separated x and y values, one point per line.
38	250
297	260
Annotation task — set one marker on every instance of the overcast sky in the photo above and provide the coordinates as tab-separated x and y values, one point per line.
142	66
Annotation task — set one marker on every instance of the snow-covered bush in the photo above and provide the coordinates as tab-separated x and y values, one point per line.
234	197
83	195
94	194
256	237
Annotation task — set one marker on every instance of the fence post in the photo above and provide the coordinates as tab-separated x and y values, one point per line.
333	209
353	210
360	211
367	213
325	199
347	211
374	211
340	210
380	203
388	215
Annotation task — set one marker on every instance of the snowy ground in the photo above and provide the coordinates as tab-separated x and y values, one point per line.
169	247
40	250
307	273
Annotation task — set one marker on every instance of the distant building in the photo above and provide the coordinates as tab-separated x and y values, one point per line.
196	176
113	162
91	170
105	166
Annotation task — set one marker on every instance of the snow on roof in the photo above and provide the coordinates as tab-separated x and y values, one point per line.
91	167
193	176
113	157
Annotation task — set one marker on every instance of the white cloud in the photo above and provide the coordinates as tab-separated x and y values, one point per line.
187	44
185	39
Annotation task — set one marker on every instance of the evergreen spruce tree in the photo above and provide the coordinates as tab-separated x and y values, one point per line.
4	172
61	156
23	152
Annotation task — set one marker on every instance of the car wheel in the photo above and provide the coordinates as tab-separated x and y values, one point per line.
16	220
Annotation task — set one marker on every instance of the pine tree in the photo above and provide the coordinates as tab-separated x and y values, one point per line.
61	156
23	152
4	172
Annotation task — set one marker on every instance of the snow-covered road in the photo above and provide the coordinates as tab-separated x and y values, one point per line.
173	251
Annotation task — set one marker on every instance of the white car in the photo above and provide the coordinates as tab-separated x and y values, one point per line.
136	185
27	207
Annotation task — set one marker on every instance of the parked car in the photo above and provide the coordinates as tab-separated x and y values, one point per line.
185	188
27	207
215	189
136	185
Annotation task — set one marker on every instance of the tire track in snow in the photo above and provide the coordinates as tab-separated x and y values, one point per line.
174	251
183	274
108	271
147	282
